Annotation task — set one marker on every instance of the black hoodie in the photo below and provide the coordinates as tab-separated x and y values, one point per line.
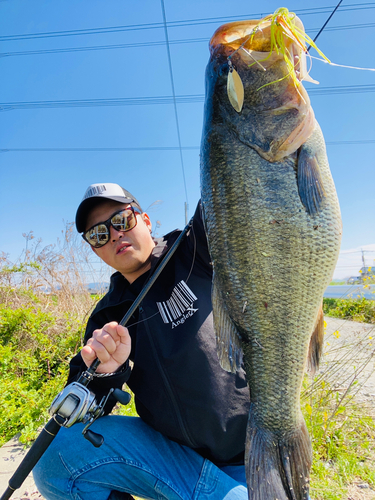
179	386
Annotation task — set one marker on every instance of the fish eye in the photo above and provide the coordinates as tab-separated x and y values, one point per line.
224	69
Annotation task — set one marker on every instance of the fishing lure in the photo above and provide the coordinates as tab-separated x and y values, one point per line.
282	24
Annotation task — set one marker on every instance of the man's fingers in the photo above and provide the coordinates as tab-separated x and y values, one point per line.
111	345
88	355
123	333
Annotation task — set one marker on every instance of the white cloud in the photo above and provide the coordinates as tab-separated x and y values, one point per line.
350	261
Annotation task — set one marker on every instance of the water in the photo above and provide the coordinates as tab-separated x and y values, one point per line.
349	292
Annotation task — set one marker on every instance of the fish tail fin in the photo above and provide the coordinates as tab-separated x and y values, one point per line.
316	344
277	468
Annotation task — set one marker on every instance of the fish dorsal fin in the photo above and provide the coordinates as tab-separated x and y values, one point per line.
316	344
228	341
310	184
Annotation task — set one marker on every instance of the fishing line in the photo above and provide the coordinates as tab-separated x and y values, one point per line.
187	279
341	65
194	253
143	320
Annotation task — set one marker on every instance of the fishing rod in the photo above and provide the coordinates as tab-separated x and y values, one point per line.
76	403
325	24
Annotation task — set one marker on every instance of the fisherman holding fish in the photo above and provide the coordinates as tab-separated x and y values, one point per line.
252	301
190	439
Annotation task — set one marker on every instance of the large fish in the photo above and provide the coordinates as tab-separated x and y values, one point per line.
274	228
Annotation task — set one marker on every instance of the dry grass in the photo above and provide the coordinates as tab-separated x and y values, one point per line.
56	276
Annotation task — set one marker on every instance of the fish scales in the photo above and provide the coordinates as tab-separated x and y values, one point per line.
274	249
278	257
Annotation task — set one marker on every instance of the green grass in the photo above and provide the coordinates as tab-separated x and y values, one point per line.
343	440
359	309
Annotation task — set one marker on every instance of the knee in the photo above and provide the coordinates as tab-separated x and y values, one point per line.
48	475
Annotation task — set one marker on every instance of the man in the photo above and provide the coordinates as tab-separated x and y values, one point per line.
189	440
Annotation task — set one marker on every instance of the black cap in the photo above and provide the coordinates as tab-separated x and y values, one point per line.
97	192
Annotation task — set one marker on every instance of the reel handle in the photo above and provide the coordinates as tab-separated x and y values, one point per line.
122	396
96	439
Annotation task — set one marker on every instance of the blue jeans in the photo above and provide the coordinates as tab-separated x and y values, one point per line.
135	459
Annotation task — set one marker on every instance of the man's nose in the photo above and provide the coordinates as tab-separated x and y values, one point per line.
115	234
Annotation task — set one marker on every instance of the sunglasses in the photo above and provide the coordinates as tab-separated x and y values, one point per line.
123	220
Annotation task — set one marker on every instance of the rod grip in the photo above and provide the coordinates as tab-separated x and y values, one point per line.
39	446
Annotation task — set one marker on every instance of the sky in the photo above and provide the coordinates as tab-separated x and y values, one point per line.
86	96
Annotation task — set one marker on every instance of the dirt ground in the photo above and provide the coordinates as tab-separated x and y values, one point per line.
350	351
360	491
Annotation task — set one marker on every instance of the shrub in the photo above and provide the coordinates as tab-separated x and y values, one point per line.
360	309
35	348
44	304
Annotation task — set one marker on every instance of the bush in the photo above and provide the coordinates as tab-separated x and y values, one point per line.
44	305
35	349
360	309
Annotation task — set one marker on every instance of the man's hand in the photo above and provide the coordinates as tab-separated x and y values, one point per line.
111	345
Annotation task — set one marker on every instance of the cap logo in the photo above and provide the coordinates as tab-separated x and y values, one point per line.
94	191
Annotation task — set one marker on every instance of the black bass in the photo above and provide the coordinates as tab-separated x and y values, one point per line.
274	229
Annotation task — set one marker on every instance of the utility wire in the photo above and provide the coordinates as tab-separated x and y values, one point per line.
325	24
154	43
163	100
175	107
157	148
189	22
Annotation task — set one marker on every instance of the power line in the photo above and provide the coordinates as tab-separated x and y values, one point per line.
121	101
349	143
151	148
180	23
175	107
344	252
342	89
153	43
156	148
162	100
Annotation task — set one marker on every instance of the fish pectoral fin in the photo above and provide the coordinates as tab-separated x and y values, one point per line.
316	344
228	343
310	183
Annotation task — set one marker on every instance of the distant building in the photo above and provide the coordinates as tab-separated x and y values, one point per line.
354	280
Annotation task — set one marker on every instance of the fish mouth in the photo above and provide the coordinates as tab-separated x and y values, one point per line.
250	46
239	33
252	41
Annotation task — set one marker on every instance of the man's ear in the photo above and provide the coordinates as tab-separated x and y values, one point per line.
146	220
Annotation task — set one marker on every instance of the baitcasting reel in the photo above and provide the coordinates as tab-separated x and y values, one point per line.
76	403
